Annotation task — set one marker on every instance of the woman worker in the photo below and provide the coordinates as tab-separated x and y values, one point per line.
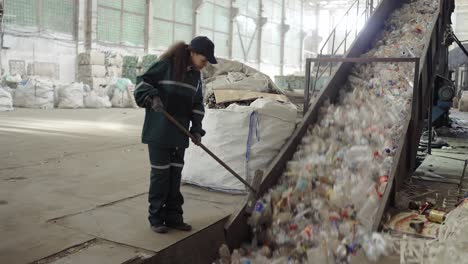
172	84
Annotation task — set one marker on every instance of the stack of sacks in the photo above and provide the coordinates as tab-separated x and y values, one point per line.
12	80
94	100
92	69
147	62
6	99
71	95
114	64
129	68
35	92
121	91
325	203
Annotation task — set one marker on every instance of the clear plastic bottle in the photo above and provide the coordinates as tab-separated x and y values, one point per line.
367	212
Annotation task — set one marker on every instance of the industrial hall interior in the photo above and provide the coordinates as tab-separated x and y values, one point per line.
233	131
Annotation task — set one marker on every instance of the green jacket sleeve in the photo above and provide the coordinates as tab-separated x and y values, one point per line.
198	112
147	84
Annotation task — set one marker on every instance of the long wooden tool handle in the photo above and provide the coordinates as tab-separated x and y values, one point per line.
187	133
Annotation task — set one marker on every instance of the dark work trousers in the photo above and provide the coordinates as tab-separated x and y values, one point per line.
164	196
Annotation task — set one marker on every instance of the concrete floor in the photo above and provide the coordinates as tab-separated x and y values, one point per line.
449	165
74	185
445	190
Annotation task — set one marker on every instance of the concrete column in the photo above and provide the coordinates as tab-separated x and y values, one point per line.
303	35
80	25
121	21
234	11
91	24
196	4
260	23
284	30
39	17
316	32
330	29
148	24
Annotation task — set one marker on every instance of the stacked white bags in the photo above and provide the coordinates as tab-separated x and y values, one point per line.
6	99
92	69
71	96
121	92
35	92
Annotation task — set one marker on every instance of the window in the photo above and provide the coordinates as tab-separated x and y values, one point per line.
51	15
248	8
245	36
293	37
172	21
121	21
215	20
271	33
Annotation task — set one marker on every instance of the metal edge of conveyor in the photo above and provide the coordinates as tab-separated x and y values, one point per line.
237	229
407	147
200	247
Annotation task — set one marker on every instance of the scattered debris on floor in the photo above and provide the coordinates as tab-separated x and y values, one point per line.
449	245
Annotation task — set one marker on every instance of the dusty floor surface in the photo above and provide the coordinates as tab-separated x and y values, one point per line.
79	178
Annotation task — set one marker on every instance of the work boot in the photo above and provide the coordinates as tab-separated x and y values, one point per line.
159	228
180	226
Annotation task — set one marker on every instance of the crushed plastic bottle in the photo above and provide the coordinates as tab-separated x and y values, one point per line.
322	209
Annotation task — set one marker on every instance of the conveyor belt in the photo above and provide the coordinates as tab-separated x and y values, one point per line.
432	62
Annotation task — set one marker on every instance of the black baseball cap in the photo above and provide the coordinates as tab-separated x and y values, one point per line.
205	47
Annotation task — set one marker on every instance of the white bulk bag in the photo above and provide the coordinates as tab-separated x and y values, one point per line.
257	131
71	96
35	93
6	100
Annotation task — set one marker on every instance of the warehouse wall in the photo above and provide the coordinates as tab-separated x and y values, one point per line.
41	50
40	32
265	34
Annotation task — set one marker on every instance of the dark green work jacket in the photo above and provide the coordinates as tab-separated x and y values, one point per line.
182	100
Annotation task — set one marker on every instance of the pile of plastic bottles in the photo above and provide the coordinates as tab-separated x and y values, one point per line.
323	207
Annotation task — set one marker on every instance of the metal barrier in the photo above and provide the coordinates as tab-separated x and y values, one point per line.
359	9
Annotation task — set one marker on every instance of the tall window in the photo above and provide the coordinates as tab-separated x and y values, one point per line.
215	19
40	15
172	21
271	37
121	22
293	38
245	31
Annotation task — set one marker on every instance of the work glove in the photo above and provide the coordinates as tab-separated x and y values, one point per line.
156	104
197	139
147	102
